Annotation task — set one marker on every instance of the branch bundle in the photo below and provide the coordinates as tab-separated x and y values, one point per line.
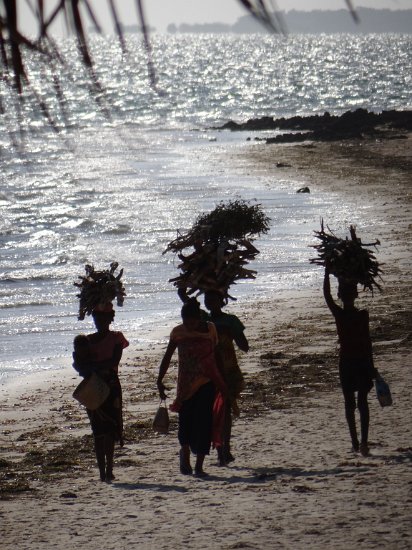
222	242
350	260
99	288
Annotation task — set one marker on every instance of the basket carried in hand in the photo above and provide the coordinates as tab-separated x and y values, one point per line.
92	392
161	420
350	260
222	243
383	392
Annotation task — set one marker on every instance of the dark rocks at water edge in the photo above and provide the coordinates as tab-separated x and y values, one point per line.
359	124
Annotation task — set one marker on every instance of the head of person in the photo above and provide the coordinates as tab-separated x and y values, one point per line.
191	315
214	300
103	316
347	292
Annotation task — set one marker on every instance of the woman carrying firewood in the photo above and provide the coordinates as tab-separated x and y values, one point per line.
352	263
356	369
198	382
230	331
220	247
101	353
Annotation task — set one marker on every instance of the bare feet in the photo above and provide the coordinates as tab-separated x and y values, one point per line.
224	456
109	477
355	447
364	449
185	467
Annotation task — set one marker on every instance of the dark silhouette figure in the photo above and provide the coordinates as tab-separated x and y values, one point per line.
356	368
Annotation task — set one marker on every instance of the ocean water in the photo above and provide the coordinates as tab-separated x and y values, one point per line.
119	188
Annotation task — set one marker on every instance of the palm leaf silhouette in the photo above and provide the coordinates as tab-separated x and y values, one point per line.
15	46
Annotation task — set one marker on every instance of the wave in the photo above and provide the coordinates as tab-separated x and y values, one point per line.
4	199
15	305
10	279
121	229
61	259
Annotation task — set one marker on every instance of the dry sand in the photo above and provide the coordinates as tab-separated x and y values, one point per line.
294	484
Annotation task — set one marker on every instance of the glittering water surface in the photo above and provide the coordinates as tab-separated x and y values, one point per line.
119	189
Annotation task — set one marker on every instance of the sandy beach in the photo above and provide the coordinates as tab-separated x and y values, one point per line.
295	483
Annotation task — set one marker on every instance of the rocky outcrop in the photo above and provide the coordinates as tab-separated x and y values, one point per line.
357	124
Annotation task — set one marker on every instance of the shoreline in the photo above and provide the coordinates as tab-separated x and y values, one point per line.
294	484
17	364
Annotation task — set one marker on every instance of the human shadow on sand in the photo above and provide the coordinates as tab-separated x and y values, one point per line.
403	456
225	478
264	473
247	475
160	487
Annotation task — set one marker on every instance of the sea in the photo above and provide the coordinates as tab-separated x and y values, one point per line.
137	163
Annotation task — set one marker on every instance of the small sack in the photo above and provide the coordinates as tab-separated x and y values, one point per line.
92	392
161	419
383	392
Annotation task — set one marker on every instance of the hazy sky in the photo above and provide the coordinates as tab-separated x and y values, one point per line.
162	12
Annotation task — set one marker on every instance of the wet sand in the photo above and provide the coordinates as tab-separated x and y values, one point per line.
295	482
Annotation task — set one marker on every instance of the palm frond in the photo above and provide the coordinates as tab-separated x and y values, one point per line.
15	45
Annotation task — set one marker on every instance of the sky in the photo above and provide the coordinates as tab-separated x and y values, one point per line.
160	13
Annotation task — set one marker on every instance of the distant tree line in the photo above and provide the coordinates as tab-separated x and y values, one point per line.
315	21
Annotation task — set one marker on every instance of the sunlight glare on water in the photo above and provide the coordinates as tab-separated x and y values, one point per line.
120	189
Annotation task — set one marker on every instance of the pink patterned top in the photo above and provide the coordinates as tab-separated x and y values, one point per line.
197	363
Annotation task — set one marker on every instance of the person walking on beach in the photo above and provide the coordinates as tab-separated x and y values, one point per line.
230	331
356	368
101	353
198	382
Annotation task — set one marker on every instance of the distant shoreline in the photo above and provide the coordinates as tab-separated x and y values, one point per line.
311	22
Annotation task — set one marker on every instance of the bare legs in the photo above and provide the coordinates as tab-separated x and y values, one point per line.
199	466
364	421
109	452
223	452
185	466
350	406
104	448
100	455
195	429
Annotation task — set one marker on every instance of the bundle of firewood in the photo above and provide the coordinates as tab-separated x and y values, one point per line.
222	246
99	288
350	260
